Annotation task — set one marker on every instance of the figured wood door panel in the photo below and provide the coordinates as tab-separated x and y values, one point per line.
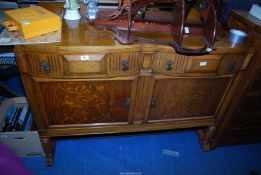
175	98
87	101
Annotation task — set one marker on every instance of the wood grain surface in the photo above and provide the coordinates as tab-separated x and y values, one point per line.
187	97
86	102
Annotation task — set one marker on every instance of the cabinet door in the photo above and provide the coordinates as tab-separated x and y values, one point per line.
77	101
186	97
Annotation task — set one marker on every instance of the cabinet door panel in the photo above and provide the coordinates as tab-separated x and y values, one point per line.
85	102
187	97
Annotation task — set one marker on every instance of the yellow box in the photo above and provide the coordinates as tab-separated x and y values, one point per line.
32	21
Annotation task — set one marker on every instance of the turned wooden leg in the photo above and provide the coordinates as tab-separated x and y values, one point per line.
48	147
206	138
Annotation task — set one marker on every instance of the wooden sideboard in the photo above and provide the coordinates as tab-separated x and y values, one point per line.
242	122
90	84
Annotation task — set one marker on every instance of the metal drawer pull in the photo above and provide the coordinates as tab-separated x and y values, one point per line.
153	102
125	65
45	66
127	103
232	65
169	65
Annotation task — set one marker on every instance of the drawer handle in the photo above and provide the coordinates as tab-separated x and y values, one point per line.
232	66
125	65
153	102
169	65
45	66
127	103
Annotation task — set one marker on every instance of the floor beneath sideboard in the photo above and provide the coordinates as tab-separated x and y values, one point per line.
150	154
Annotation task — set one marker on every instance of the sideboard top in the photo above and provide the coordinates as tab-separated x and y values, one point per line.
81	35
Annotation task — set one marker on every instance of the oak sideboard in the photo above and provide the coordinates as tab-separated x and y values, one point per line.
90	84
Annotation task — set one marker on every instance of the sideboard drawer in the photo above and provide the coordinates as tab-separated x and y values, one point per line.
44	64
123	64
231	63
126	64
203	64
169	63
217	64
84	64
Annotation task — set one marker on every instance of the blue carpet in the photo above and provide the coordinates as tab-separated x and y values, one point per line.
152	154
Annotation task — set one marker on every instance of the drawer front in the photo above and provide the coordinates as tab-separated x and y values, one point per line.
203	64
169	63
231	63
48	65
84	64
123	64
44	64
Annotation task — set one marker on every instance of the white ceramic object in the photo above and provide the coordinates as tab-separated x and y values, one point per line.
72	14
237	36
72	24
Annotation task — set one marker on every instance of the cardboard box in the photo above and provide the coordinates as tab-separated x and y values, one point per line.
22	143
32	21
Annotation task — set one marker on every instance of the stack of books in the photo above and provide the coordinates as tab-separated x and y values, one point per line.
7	59
17	119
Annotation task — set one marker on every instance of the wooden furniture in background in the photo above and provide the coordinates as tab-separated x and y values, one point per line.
90	84
242	122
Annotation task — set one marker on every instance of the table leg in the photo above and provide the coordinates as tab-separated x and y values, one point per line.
48	146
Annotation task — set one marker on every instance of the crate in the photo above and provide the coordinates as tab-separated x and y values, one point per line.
23	143
32	21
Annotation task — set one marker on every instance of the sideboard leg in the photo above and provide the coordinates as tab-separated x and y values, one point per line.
48	146
206	138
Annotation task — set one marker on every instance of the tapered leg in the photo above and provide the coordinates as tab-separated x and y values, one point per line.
206	136
48	146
